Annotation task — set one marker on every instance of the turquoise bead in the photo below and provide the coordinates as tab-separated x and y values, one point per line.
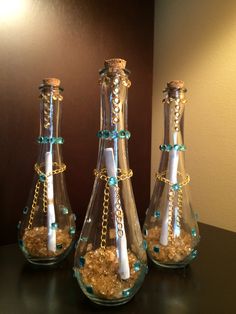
194	253
81	261
157	214
42	177
106	134
122	134
182	148
114	134
112	181
18	225
54	225
59	246
127	135
64	210
145	244
89	289
168	147
99	134
162	147
21	243
126	292
193	232
137	266
156	249
177	147
176	187
25	210
72	230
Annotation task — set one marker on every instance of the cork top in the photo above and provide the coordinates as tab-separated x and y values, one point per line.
51	81
176	84
115	63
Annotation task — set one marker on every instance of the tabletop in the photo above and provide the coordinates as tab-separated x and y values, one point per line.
207	285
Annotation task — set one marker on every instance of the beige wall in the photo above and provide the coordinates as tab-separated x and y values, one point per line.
195	41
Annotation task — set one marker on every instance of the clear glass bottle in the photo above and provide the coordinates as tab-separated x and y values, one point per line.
47	229
110	259
170	227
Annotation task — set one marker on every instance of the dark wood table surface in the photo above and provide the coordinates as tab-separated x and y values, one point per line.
207	285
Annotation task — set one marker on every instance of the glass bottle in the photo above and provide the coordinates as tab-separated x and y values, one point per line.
170	227
110	260
47	229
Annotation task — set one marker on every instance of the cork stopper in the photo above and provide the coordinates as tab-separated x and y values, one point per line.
51	81
115	64
176	84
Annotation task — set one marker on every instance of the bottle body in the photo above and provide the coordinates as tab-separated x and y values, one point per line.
170	227
46	231
110	261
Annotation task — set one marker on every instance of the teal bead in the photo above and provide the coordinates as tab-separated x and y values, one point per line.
122	134
84	239
40	139
42	177
72	230
99	134
59	246
156	249
168	147
137	266
146	269
177	147
193	232
18	225
81	261
157	214
89	289
182	148
64	210
176	187
60	140
106	134
162	147
25	210
126	292
112	181
194	253
114	134
127	135
145	245
54	225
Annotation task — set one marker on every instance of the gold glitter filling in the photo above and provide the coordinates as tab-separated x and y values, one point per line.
35	241
101	273
176	251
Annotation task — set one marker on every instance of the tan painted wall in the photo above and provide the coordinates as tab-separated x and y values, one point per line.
195	41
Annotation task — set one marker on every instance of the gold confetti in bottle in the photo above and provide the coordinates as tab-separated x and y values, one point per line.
47	229
170	229
110	259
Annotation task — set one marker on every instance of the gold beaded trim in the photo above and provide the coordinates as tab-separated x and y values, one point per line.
174	188
43	179
46	103
178	102
112	181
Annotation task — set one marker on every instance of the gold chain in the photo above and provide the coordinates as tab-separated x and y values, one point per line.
102	175
174	188
43	179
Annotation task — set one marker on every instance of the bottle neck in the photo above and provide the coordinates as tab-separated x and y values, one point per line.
49	138
174	105
113	117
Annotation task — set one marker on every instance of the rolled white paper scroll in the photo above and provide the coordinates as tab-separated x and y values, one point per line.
124	269
173	177
50	202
